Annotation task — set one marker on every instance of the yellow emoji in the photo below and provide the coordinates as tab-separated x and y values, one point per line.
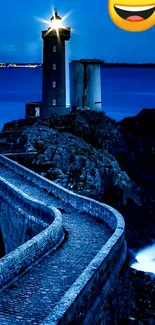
132	15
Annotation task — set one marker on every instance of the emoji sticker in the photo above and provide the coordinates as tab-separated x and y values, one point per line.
132	15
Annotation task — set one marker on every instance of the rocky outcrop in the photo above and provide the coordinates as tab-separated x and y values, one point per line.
144	288
93	155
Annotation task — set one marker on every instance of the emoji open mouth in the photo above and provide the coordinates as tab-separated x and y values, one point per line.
137	13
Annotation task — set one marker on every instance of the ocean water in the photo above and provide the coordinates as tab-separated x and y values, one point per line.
18	86
125	91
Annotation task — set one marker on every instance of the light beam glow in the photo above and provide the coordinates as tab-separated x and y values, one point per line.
49	23
55	24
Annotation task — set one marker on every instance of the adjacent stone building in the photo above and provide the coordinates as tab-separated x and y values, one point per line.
85	83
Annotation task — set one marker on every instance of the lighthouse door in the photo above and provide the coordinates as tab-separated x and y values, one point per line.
37	111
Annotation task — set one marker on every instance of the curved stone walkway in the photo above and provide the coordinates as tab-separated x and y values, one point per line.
32	297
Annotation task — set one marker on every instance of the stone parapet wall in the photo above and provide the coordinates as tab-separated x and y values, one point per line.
17	225
31	214
87	301
81	300
83	303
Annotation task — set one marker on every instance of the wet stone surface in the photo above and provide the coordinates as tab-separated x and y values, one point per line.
33	296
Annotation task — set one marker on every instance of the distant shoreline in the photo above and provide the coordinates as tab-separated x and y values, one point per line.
104	65
128	65
22	65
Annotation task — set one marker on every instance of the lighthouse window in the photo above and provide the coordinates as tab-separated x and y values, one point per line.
54	84
54	102
54	66
85	91
54	48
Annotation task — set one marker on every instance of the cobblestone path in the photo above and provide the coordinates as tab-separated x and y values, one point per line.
30	299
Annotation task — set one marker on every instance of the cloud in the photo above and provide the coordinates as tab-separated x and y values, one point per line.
7	48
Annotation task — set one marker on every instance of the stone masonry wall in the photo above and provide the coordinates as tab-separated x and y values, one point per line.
81	303
17	225
21	218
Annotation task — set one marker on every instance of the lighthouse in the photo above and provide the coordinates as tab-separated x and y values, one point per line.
54	67
85	76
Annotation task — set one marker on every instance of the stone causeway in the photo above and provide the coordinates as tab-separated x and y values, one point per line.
62	251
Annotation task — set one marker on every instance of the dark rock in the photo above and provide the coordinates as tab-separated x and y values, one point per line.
93	155
144	288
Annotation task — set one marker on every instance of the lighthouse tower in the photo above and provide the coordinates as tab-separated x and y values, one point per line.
54	72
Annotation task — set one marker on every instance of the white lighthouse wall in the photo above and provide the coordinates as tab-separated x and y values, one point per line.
94	87
67	76
76	84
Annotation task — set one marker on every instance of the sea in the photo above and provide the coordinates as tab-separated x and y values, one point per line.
125	91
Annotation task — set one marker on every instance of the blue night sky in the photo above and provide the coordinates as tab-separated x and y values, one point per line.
96	35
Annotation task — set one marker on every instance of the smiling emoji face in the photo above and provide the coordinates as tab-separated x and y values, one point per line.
132	15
